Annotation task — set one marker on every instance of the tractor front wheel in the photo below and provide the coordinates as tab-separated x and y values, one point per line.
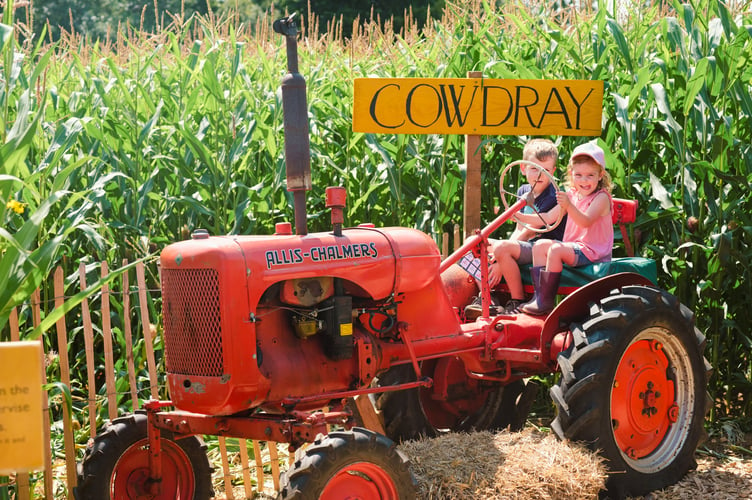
633	386
349	464
116	465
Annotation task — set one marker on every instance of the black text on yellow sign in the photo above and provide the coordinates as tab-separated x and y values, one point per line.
21	396
478	106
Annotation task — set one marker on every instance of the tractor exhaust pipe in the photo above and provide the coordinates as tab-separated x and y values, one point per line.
295	110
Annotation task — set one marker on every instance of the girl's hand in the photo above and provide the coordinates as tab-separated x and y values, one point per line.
562	198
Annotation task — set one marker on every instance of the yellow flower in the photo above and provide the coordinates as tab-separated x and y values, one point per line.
16	206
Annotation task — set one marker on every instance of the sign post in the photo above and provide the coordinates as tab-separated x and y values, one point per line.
471	200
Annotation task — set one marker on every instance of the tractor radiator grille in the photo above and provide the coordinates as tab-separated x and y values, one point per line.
192	322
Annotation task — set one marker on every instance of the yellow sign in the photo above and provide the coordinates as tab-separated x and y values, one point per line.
478	106
21	424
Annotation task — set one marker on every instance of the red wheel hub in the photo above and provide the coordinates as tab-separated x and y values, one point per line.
362	480
130	478
642	399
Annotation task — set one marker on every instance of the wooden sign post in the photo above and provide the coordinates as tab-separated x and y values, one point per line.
21	425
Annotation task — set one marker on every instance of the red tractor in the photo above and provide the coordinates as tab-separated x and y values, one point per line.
269	338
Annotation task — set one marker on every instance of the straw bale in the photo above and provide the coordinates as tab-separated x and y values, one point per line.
527	465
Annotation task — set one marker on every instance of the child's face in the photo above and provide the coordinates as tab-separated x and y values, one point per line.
535	177
585	175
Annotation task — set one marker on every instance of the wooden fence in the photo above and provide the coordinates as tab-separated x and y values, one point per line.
242	462
102	398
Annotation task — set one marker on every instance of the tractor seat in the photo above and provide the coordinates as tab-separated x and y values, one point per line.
576	277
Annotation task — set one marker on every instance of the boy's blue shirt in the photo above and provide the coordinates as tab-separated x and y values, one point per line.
543	203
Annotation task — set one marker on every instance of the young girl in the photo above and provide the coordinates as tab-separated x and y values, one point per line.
589	233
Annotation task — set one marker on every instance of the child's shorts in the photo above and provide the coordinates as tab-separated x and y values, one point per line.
526	252
579	258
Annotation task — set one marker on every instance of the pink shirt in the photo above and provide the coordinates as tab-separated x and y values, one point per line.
597	240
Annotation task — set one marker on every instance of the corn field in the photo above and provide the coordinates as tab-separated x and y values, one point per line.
110	151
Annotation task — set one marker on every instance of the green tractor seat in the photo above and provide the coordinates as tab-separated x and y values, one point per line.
575	277
623	212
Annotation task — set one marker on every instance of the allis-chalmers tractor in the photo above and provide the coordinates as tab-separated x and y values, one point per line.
270	337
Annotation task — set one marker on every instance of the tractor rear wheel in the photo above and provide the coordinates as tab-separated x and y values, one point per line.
116	465
633	386
455	403
349	464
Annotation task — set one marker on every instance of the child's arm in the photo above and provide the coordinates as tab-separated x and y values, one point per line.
521	233
535	219
600	207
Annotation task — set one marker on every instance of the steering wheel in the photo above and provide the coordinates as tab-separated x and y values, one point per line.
542	171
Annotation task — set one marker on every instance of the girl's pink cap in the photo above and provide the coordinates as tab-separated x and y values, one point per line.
592	150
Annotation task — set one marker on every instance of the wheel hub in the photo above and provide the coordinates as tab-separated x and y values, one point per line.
642	399
363	481
131	477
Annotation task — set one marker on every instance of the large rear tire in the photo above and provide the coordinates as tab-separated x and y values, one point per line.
633	387
349	464
116	465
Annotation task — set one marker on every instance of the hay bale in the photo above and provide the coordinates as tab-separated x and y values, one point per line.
509	465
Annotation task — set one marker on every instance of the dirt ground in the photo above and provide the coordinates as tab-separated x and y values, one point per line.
724	472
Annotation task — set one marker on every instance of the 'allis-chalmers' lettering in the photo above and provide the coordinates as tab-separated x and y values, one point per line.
320	254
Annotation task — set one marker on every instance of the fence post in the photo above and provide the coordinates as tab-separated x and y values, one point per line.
146	328
245	466
128	338
109	364
89	346
62	347
274	459
229	494
258	459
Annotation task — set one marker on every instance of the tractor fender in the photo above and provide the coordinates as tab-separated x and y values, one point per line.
555	334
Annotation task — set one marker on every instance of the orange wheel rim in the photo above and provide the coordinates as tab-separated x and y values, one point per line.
643	403
362	480
131	476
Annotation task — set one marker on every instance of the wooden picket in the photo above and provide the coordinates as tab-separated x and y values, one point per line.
22	481
62	339
89	346
127	332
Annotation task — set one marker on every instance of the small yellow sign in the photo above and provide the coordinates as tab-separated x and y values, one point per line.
478	106
21	424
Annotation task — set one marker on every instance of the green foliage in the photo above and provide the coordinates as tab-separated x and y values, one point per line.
332	13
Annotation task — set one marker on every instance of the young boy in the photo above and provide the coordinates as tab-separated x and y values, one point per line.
508	254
